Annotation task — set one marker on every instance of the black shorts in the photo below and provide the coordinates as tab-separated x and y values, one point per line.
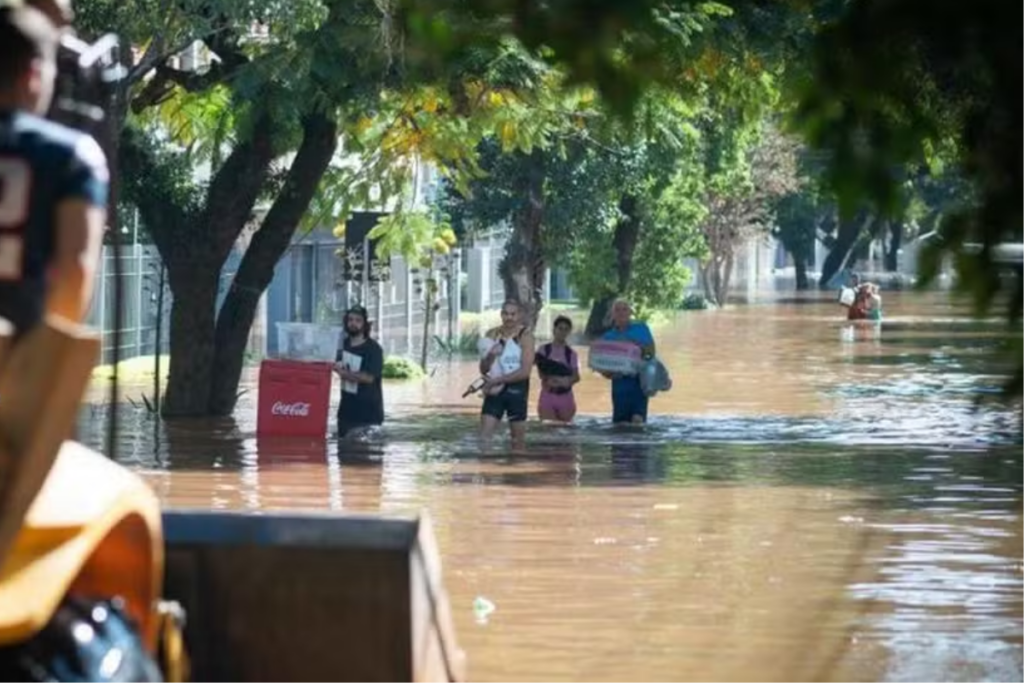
512	401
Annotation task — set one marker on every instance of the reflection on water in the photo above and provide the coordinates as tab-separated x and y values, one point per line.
810	502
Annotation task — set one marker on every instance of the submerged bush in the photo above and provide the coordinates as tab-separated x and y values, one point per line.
397	367
694	302
465	344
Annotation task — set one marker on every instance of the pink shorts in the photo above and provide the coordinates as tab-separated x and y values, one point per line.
560	406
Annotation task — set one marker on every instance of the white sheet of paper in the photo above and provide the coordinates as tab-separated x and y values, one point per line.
352	362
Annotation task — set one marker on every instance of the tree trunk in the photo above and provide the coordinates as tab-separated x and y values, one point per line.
194	247
256	270
801	273
597	321
715	277
428	316
893	246
627	235
847	235
706	270
192	339
725	279
625	239
523	267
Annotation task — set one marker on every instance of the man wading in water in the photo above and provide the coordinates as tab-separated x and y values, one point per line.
629	402
360	364
507	364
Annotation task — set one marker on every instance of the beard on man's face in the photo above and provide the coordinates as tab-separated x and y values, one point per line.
355	327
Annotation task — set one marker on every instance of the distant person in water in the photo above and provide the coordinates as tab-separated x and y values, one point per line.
629	403
360	366
507	364
559	370
867	303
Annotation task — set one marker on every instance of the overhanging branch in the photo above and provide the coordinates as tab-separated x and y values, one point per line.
223	41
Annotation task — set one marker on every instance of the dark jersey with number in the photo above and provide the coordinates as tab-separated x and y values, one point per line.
41	164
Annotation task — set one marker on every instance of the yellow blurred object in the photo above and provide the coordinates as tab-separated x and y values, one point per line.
93	529
174	660
72	522
42	381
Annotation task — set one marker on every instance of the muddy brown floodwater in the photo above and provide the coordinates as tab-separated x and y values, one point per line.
810	502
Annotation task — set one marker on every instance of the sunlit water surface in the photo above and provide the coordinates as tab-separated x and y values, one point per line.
810	502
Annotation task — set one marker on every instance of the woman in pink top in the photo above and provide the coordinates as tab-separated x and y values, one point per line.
559	369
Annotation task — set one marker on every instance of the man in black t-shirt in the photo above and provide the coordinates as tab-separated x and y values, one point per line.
360	364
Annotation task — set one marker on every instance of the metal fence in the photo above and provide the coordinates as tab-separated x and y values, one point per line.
140	270
309	286
141	277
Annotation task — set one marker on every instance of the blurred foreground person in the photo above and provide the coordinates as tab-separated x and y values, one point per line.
53	184
81	542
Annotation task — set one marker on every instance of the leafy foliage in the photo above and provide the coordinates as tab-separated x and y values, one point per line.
895	88
426	244
620	47
741	202
397	367
506	97
895	80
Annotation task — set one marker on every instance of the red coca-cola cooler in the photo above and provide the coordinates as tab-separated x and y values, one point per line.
295	390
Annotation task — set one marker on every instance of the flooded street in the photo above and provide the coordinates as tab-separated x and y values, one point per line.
809	502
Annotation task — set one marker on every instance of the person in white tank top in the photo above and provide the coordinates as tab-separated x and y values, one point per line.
507	363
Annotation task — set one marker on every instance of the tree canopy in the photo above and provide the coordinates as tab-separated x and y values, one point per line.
614	100
882	87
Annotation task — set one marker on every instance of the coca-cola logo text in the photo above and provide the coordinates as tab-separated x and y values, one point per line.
290	409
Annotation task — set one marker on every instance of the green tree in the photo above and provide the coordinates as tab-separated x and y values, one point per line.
682	32
645	182
896	80
604	212
801	219
740	203
502	100
805	216
515	191
884	81
426	245
264	118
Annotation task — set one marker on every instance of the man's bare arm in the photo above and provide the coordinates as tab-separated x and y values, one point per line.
79	239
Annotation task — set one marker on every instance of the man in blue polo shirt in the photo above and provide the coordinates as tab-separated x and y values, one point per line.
629	403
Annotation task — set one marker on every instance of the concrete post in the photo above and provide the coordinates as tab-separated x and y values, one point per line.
479	281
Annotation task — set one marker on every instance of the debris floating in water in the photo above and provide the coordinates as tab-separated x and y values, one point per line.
850	519
666	506
482	608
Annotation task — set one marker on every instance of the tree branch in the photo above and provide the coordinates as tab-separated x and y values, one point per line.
235	187
161	211
320	138
223	41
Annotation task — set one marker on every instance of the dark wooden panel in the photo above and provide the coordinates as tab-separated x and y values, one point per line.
309	597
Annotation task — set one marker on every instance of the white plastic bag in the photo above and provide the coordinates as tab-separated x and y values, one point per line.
654	377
